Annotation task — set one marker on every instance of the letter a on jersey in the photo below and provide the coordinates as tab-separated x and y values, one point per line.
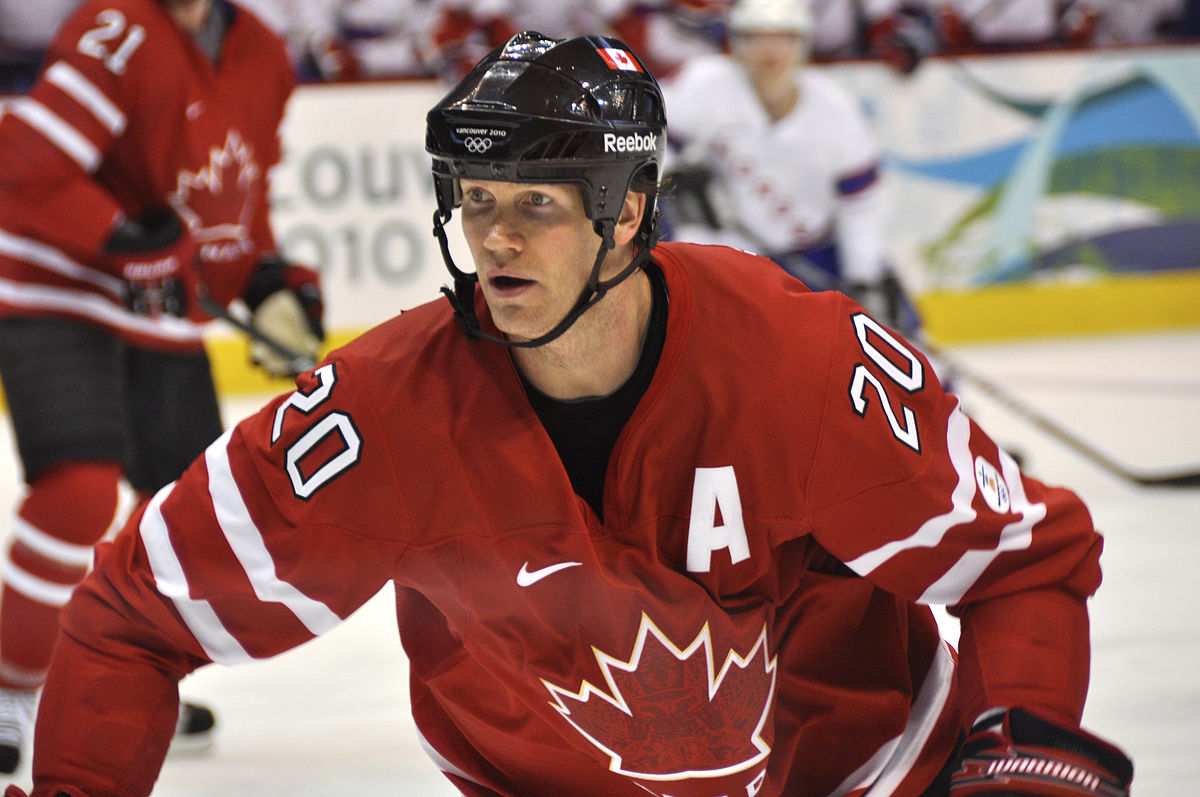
715	494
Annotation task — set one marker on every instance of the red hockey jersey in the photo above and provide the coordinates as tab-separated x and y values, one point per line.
130	114
747	620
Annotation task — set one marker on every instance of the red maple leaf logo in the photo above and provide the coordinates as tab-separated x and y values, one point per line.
217	201
669	713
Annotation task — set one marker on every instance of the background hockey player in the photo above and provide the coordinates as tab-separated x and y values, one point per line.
132	176
789	168
463	31
659	520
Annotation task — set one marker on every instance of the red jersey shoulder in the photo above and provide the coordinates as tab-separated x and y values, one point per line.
817	354
135	41
253	41
737	294
385	365
421	343
318	457
730	277
886	418
122	47
116	32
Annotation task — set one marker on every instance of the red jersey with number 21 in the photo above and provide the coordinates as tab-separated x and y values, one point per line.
128	115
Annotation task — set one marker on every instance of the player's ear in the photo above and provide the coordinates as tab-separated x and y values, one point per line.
630	218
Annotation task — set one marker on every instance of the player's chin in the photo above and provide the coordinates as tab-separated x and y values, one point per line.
519	323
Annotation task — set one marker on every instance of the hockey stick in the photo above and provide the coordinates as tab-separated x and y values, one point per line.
1187	478
297	362
820	280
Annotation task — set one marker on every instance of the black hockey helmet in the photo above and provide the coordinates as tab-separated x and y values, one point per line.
584	111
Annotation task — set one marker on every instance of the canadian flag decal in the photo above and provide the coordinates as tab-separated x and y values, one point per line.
618	59
677	719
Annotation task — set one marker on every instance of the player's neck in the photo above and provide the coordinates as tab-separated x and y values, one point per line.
599	352
778	96
190	15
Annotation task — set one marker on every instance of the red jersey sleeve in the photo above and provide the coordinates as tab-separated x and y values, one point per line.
909	492
130	114
57	137
285	526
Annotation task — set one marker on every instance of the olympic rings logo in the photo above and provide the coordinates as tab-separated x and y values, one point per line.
477	145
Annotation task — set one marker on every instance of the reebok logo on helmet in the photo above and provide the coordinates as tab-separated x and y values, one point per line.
634	142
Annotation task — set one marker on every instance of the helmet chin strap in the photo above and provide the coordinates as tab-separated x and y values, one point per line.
462	297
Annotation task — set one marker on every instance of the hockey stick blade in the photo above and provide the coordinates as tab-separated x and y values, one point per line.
297	362
1190	478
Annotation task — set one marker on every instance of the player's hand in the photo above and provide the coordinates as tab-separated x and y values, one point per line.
286	303
1016	752
156	256
903	40
333	58
1078	25
954	29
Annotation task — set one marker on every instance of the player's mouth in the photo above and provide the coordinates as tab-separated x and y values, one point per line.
504	285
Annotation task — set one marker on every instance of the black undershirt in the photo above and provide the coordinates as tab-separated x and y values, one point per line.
584	431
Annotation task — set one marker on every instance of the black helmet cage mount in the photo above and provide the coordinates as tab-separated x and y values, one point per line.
583	111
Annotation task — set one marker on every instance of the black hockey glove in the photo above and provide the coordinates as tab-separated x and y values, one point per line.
1012	752
286	303
156	256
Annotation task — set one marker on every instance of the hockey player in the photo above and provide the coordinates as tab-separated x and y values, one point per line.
133	176
659	520
348	40
668	33
463	31
789	168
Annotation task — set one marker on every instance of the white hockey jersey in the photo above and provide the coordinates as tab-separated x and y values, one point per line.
803	182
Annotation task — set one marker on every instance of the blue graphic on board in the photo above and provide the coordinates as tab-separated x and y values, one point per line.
1136	140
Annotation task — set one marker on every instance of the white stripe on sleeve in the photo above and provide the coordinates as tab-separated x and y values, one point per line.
97	308
892	763
169	578
958	435
441	761
84	92
950	588
57	131
43	255
247	544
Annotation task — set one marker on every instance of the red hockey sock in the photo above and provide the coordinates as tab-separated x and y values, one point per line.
65	512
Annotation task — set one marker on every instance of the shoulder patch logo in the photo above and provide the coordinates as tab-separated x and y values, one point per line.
992	486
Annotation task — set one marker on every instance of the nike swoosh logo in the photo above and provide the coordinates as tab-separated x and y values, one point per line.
527	577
